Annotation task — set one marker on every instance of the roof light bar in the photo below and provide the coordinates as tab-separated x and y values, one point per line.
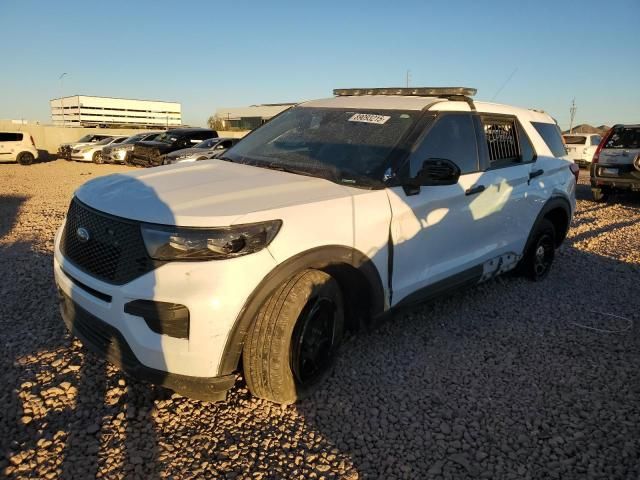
411	91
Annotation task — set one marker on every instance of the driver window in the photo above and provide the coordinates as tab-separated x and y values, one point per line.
451	137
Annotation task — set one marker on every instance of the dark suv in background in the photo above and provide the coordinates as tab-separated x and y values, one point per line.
150	153
616	163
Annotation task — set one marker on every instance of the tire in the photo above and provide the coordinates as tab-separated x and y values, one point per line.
600	194
539	256
97	157
26	158
293	343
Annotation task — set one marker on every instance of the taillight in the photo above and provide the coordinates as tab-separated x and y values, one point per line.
32	142
575	169
605	139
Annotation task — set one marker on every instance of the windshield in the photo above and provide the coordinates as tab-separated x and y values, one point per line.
134	139
207	143
624	137
166	137
574	140
85	139
105	141
345	146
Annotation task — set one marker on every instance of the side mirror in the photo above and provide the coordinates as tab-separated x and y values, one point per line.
437	171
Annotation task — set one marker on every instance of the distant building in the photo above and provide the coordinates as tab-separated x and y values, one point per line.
248	118
85	111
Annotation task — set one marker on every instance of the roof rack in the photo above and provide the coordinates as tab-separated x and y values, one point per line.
410	91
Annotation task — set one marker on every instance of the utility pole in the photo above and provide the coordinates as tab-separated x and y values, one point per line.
408	77
572	110
61	78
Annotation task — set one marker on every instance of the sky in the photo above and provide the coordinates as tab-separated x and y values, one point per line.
207	55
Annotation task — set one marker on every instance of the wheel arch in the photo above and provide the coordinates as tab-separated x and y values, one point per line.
558	211
357	275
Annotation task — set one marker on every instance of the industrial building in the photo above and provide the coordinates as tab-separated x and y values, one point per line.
87	111
248	118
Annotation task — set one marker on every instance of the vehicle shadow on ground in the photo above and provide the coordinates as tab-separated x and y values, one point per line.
66	410
456	388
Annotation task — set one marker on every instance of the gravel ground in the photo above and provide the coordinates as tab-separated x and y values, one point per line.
507	380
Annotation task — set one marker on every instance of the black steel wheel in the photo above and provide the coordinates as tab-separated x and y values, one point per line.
540	253
295	339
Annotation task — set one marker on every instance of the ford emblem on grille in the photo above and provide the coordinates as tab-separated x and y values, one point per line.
83	234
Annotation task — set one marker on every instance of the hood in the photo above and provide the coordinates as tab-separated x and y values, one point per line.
187	151
206	194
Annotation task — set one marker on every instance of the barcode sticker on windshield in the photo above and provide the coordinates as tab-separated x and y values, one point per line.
369	118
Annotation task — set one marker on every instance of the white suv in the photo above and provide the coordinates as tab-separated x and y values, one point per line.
581	147
17	147
332	214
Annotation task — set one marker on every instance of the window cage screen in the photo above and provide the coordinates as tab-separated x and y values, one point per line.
502	139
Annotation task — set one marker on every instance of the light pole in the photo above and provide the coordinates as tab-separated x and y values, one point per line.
61	78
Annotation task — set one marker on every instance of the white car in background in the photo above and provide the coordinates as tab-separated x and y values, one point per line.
93	152
17	147
581	147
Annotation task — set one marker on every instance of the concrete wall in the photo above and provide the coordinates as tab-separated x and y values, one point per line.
49	137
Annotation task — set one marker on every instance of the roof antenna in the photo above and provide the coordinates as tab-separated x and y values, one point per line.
505	83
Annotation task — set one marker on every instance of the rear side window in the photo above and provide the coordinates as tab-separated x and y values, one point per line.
507	143
550	133
575	139
624	137
595	140
452	137
10	137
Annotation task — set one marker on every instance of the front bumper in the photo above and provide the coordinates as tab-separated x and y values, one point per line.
106	341
82	157
214	293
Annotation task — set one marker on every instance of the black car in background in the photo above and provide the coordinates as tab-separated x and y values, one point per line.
120	153
150	153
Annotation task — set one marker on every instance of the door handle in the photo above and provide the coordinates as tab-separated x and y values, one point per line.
474	190
535	173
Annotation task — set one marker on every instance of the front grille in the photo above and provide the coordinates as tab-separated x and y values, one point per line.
114	251
148	155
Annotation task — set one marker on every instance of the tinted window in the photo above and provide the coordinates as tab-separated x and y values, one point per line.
527	152
575	139
624	137
345	144
10	137
452	137
595	140
550	133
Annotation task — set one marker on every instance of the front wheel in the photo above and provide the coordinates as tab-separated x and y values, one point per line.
97	157
292	345
539	256
26	158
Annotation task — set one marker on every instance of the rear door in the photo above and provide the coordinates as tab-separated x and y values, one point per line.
510	201
620	155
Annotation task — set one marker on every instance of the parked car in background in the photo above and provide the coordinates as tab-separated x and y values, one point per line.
201	151
64	150
616	163
581	147
150	153
322	220
17	147
93	152
119	153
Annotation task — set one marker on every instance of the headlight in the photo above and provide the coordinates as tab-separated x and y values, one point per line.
179	243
